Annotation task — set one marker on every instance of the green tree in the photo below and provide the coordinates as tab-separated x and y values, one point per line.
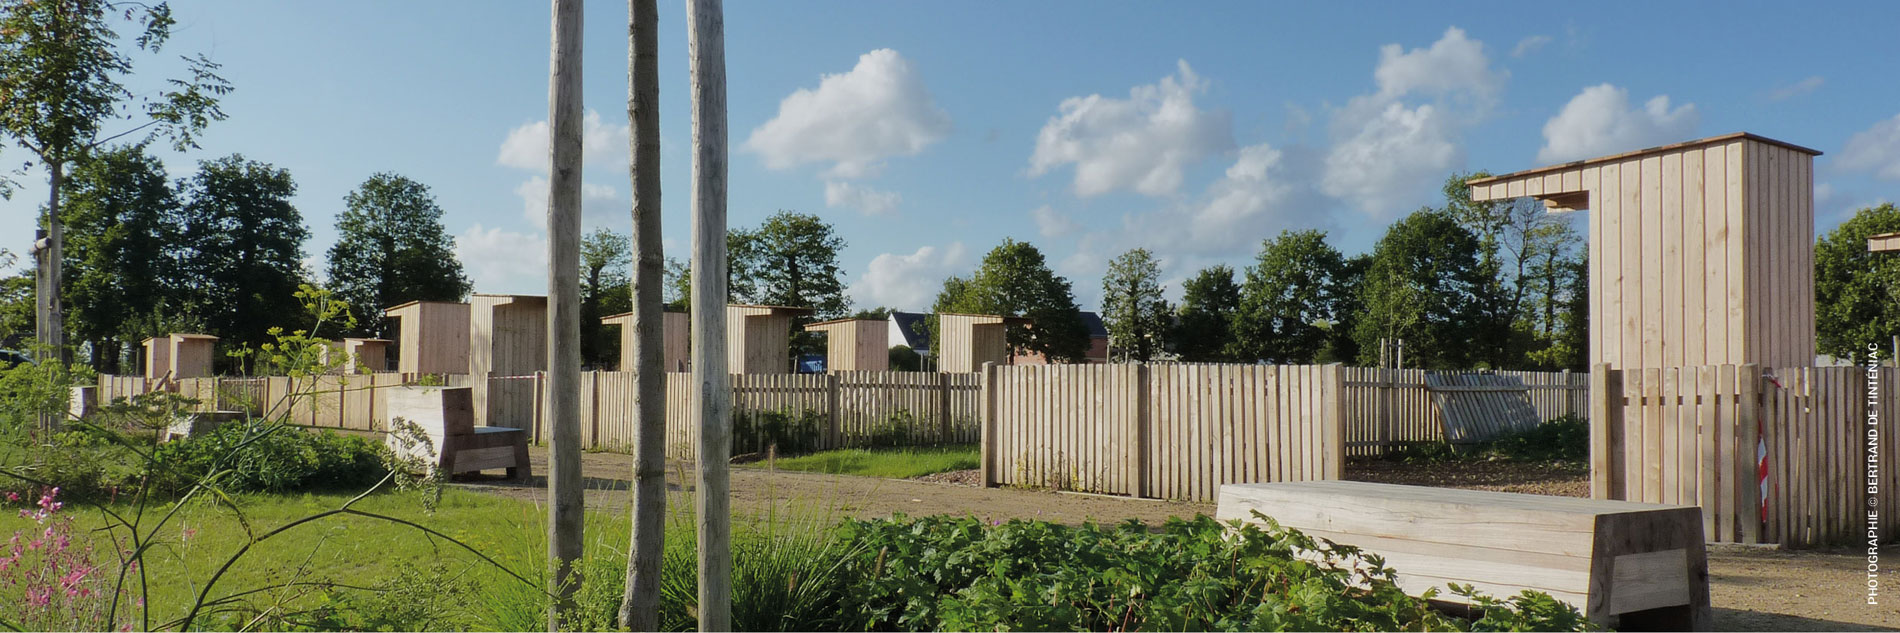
1203	331
16	310
243	246
606	289
1522	249
1015	280
60	70
1136	314
679	284
1857	293
796	264
120	214
1289	303
1422	287
391	248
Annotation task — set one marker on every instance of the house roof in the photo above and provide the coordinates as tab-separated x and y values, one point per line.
910	325
1093	323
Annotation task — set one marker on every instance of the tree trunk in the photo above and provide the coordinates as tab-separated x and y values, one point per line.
640	604
49	323
565	503
707	65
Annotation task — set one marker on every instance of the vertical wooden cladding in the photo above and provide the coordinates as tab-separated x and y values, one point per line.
675	330
180	355
433	337
855	344
966	341
508	334
1165	431
759	338
365	355
1700	253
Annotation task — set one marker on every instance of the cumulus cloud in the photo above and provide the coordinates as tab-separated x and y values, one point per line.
1875	149
856	120
526	147
1529	45
1053	223
908	282
1392	147
601	205
865	199
1797	89
1600	121
503	261
1140	143
1252	198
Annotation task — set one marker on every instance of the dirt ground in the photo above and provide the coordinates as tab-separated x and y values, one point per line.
1751	588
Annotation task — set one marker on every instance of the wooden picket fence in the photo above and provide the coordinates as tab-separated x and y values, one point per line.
354	402
1161	431
1387	408
853	408
1695	436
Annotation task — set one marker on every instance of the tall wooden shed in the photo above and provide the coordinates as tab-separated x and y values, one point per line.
365	354
965	341
1701	252
181	355
759	338
674	329
507	335
432	337
855	344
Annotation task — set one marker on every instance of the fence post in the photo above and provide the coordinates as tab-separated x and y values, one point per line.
1144	432
1750	428
539	405
1570	403
1386	432
1606	409
943	408
1333	400
833	417
988	441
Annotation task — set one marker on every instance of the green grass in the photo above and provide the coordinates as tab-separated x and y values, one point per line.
895	463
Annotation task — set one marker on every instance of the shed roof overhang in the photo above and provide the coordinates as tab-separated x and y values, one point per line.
1561	187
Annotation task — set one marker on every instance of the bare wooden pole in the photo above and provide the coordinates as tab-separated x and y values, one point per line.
640	604
706	48
565	503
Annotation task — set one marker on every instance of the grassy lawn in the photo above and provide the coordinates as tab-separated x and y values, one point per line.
895	463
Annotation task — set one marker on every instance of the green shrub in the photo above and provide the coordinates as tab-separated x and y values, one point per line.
941	573
267	457
1565	438
793	433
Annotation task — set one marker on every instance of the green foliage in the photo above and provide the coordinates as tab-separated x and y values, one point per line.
1291	299
606	289
1210	303
1562	439
903	358
29	390
894	463
120	215
796	264
942	573
258	457
1422	287
16	305
756	431
1014	280
246	243
1132	306
1857	293
391	248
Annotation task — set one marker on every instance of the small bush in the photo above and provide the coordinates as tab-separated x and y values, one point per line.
1565	438
263	457
792	433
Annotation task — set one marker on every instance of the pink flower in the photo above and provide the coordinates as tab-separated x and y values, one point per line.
13	496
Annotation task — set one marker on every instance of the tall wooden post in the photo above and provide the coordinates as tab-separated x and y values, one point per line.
640	605
565	503
706	48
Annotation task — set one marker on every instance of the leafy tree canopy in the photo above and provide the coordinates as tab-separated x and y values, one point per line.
243	246
1291	299
391	248
1857	293
1204	325
1014	280
1135	313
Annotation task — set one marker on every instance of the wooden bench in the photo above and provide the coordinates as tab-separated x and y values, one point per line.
447	416
1635	566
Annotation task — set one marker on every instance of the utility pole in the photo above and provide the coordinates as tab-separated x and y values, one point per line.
706	48
640	604
565	503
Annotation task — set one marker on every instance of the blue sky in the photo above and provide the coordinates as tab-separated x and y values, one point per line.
927	133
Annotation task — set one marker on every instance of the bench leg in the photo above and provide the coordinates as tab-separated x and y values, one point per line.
523	470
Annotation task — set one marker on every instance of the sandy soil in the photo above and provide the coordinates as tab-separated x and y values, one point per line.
1752	589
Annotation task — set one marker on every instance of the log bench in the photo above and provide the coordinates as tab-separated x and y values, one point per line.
447	416
1634	566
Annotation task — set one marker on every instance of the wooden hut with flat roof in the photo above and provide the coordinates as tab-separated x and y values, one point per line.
1701	253
855	344
358	355
965	341
180	355
674	329
432	337
759	338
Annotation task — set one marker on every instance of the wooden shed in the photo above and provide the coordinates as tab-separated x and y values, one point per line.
965	341
432	337
675	329
1883	243
180	355
366	354
855	344
1701	252
759	338
507	335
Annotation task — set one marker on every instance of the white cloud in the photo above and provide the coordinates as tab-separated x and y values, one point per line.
1797	89
856	120
1140	143
1389	155
1250	200
1053	223
601	205
504	261
1875	149
865	199
526	147
909	281
1529	45
1600	121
